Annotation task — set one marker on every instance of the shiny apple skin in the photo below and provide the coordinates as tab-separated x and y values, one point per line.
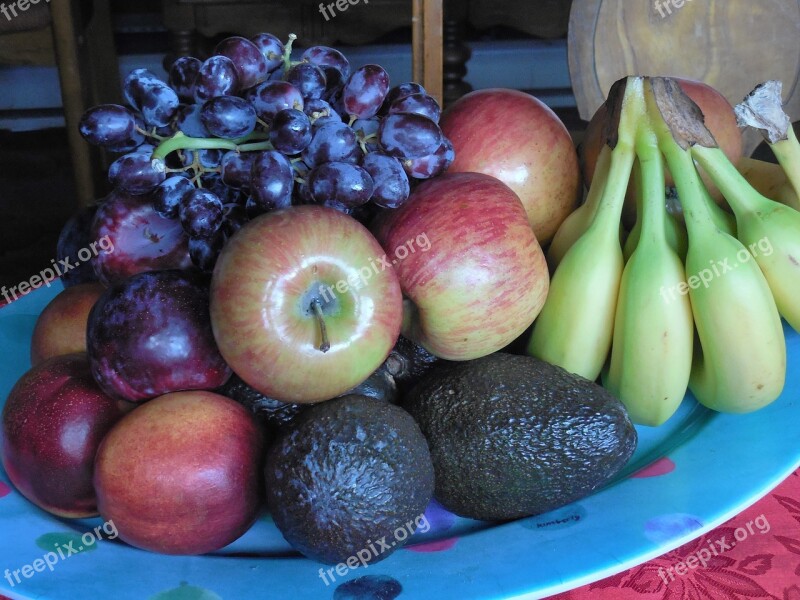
259	311
518	139
484	279
151	335
53	422
61	326
181	474
142	239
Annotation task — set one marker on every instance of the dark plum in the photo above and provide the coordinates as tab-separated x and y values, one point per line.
332	62
168	194
419	104
76	235
142	240
136	172
151	335
433	164
307	78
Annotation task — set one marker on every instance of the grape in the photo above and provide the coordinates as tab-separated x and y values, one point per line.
332	62
307	78
189	122
272	97
114	127
152	97
420	104
407	135
210	158
205	251
228	117
213	183
216	77
167	195
182	76
389	179
365	128
271	49
235	218
320	112
200	213
271	181
251	66
340	185
401	91
331	142
236	168
433	164
291	131
135	174
365	90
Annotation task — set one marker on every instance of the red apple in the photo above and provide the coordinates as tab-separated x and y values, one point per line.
53	422
61	327
282	277
719	118
182	473
515	137
483	279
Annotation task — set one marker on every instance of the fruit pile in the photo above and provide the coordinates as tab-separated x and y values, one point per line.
248	131
285	315
632	320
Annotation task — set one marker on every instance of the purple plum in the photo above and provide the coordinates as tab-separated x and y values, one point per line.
151	335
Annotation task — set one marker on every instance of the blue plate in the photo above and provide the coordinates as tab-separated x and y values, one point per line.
686	477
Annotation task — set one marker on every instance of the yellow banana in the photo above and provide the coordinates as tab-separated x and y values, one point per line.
742	363
651	353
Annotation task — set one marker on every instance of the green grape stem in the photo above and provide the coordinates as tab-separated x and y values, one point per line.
252	143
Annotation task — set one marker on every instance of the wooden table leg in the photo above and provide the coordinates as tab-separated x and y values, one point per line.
427	46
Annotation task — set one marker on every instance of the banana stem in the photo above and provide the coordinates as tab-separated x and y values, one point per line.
599	181
736	189
788	154
609	210
653	192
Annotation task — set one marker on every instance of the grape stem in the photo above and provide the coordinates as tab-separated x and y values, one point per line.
317	308
251	143
287	52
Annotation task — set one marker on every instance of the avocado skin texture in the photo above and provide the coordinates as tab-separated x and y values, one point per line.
345	474
513	436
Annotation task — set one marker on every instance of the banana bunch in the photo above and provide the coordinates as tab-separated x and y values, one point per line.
693	306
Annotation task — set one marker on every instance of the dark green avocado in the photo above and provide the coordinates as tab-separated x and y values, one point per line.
513	436
347	473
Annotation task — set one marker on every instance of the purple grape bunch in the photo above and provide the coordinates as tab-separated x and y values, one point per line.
247	130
